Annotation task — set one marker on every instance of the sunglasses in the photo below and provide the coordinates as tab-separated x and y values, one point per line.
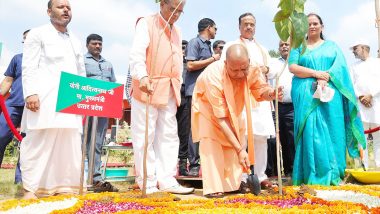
221	47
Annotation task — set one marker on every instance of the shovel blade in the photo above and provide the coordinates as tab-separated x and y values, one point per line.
253	184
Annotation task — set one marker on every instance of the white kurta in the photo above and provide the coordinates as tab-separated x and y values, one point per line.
365	76
285	78
47	52
51	151
163	138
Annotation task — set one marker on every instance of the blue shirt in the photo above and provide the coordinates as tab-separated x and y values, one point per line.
197	49
14	70
101	70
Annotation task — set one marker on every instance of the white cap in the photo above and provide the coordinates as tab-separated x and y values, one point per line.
360	42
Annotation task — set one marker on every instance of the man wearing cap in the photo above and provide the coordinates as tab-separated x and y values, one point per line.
198	56
365	75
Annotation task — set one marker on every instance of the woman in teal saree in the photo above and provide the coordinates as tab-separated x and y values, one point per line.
322	130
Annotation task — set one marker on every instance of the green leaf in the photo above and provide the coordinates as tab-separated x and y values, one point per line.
280	15
300	27
286	6
299	6
283	29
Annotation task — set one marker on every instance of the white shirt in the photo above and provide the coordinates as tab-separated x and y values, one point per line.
262	120
47	52
365	77
285	78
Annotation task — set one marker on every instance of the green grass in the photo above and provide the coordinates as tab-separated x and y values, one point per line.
8	189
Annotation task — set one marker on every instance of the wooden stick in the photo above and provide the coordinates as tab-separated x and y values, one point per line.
279	179
84	145
145	146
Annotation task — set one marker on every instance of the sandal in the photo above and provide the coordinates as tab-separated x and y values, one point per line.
101	186
266	184
215	195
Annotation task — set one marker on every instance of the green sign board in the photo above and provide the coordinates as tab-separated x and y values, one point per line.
86	96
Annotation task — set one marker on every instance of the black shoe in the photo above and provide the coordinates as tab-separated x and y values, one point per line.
194	172
182	167
104	186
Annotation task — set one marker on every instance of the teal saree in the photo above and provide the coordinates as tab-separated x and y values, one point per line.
323	131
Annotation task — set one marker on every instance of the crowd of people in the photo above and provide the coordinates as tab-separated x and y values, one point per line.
208	108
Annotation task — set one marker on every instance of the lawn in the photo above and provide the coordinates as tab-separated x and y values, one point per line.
8	189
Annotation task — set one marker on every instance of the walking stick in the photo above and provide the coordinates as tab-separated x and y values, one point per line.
84	143
145	147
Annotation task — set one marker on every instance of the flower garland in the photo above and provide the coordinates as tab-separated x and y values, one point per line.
291	202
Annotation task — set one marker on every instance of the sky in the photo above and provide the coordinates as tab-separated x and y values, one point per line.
345	22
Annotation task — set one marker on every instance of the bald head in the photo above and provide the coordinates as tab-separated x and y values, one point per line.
237	61
237	51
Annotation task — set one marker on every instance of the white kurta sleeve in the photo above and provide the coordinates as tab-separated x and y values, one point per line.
31	58
137	57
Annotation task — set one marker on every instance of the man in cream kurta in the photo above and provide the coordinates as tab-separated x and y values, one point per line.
262	120
156	69
365	76
219	97
51	151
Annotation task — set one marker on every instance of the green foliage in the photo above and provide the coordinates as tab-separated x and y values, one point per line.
274	54
291	22
123	133
10	150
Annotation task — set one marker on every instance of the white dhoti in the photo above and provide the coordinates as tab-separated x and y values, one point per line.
263	128
163	143
261	156
51	161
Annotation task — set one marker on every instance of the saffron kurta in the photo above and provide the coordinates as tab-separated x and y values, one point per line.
218	96
323	131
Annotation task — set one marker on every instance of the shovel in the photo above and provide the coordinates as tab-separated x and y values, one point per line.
252	180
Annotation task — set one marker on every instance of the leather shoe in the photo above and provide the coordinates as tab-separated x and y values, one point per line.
182	167
178	189
194	172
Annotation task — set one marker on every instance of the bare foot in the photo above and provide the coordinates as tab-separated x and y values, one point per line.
29	195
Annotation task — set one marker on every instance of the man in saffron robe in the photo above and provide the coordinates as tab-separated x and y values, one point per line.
219	97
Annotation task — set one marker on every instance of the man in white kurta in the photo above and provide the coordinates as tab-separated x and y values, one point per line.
51	151
156	68
365	76
262	120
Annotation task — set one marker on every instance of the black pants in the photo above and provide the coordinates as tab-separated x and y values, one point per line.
286	125
183	116
193	147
